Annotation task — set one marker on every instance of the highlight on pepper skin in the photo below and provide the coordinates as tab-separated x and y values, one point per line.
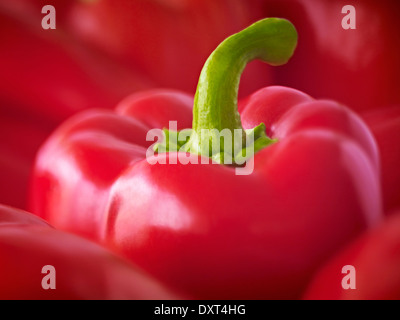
142	207
40	262
199	150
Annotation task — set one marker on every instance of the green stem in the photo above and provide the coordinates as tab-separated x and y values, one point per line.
271	40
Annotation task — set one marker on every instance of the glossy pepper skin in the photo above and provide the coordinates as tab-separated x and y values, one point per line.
375	257
357	67
202	228
82	269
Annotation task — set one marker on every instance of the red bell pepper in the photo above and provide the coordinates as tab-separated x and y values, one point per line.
202	228
385	126
375	267
40	262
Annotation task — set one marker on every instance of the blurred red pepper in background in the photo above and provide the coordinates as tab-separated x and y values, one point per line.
357	67
32	9
82	269
200	227
48	74
167	40
20	137
375	257
385	126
